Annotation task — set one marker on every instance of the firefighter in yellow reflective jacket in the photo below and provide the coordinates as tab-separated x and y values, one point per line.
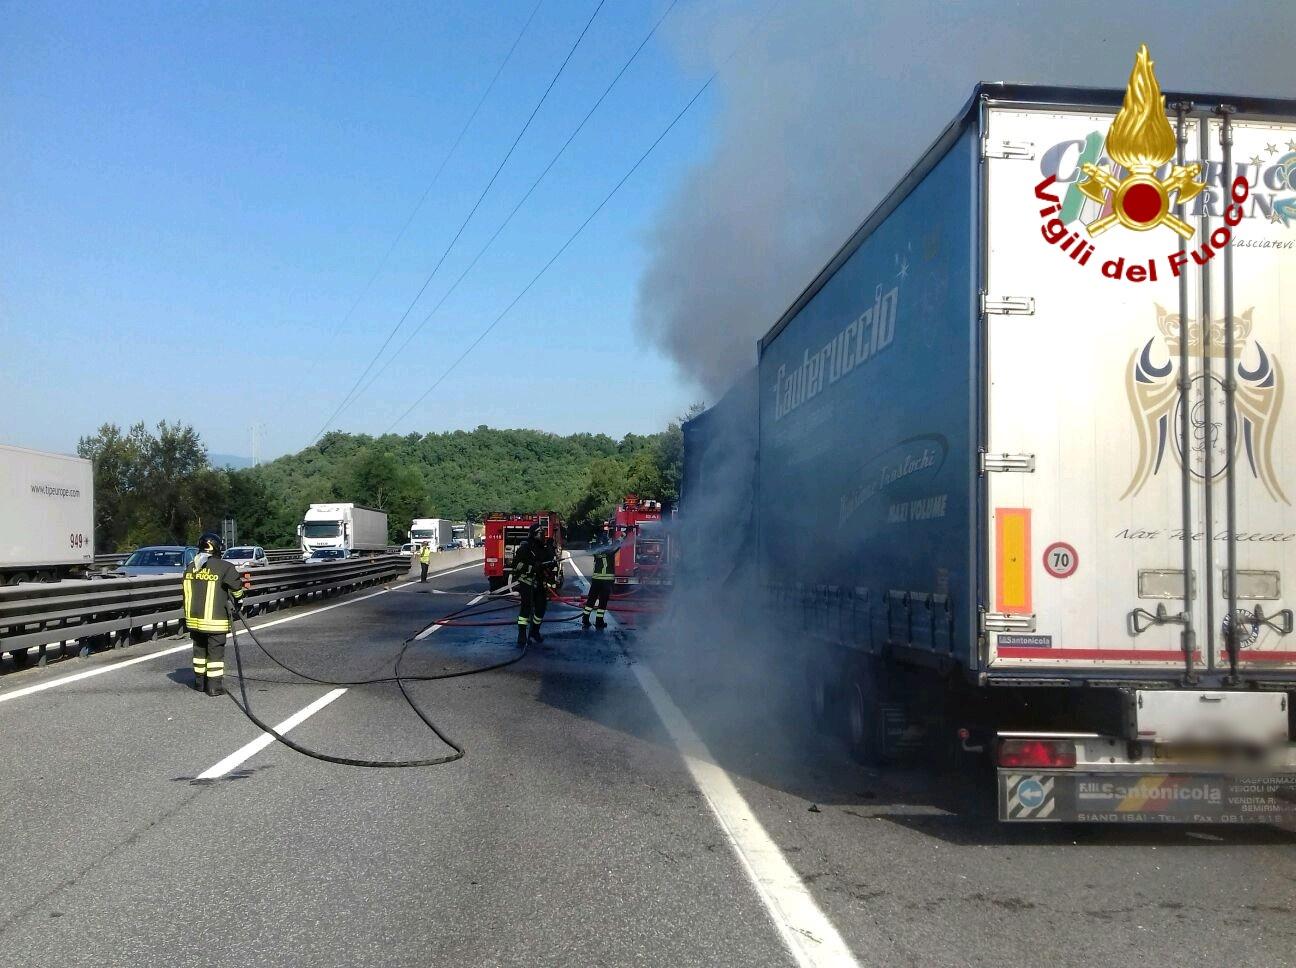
528	575
601	582
213	590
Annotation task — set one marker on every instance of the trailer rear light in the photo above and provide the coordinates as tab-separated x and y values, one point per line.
1049	754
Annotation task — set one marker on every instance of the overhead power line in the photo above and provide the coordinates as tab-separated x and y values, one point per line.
522	201
440	168
581	228
500	167
554	258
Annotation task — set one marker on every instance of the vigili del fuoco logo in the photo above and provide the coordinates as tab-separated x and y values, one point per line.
1141	190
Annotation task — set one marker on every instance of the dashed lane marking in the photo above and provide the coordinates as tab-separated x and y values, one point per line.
249	750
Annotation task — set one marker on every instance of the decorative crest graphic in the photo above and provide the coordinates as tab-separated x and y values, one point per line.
1156	404
1141	141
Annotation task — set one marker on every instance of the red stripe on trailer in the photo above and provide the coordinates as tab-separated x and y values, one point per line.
1125	655
1261	655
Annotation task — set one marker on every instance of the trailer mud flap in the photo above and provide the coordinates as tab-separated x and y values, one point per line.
1145	798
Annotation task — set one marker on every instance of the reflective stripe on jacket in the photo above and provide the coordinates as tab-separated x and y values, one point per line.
605	564
207	587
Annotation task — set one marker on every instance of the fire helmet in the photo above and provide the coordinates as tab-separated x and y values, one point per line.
211	543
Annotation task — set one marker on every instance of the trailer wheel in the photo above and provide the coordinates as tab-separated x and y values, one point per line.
864	723
819	699
18	578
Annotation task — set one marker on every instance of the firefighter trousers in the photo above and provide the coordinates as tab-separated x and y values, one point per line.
597	600
209	661
531	612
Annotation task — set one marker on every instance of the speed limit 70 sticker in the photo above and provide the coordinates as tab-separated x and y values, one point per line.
1060	560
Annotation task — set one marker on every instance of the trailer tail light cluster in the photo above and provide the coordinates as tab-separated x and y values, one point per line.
1048	754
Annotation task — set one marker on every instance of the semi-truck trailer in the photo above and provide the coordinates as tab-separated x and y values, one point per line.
46	516
349	527
437	532
505	531
1023	468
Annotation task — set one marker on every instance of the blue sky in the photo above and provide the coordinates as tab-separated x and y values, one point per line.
194	194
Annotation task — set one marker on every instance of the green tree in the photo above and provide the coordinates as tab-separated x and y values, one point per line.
116	461
376	479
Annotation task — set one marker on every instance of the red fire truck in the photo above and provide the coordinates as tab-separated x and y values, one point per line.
505	531
644	556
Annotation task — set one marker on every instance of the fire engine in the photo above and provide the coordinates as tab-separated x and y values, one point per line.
505	531
644	555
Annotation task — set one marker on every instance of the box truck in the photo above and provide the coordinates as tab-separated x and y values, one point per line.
46	516
437	532
349	527
1023	467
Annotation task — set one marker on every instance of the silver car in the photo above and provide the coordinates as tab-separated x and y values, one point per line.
246	556
157	560
322	556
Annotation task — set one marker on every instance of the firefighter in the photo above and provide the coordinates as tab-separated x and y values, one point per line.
213	591
528	575
425	559
600	584
551	573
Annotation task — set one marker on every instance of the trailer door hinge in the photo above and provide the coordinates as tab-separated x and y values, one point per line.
1002	622
1008	306
1007	463
1016	150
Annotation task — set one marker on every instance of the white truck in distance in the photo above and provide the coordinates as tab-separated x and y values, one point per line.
437	532
46	516
348	527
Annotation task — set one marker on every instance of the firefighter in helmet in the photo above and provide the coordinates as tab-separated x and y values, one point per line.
529	576
213	592
601	582
551	574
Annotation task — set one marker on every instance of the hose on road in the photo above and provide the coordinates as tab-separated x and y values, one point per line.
396	677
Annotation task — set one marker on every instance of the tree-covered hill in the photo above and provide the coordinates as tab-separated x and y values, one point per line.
144	497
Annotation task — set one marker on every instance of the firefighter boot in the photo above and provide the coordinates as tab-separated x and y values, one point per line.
585	622
522	631
600	624
535	633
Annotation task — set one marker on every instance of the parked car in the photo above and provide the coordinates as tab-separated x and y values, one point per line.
157	560
247	556
407	550
326	555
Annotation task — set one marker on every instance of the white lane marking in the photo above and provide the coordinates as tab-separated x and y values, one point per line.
113	667
249	750
436	626
809	936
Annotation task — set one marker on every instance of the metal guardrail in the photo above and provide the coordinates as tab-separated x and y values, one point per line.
274	555
122	611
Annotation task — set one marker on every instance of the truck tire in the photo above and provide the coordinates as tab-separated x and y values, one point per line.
496	582
819	698
863	716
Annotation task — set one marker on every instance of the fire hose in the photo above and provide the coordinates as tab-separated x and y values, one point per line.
396	677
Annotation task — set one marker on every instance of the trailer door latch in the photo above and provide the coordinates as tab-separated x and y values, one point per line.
1008	306
1017	150
1007	463
1003	622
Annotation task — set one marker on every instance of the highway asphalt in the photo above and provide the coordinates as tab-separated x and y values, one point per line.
573	832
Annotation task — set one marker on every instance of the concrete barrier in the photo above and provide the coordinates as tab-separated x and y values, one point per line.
445	560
